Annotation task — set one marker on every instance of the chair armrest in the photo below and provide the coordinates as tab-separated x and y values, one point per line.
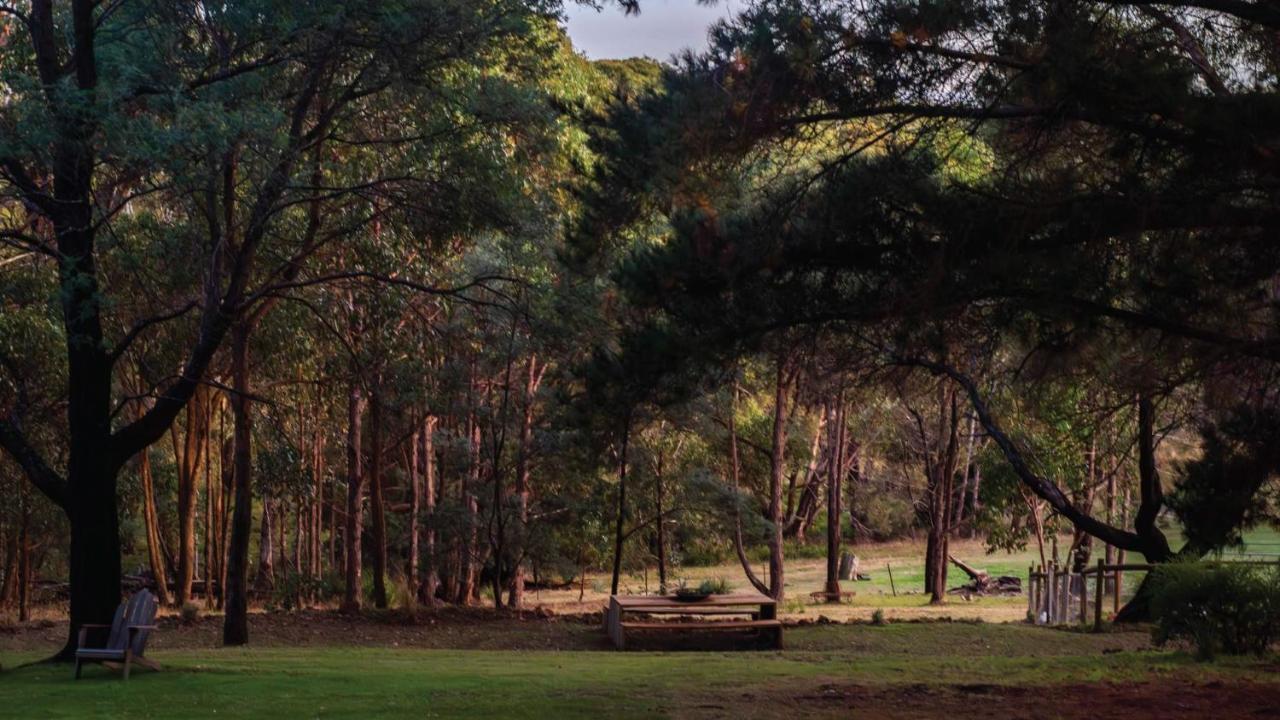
84	632
83	637
135	628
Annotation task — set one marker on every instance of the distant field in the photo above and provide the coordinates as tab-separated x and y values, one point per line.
904	558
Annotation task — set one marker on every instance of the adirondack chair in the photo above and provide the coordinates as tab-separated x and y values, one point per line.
127	640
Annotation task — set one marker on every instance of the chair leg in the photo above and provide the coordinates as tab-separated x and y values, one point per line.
77	668
128	656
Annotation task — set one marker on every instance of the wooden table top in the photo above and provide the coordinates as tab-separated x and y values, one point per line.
664	601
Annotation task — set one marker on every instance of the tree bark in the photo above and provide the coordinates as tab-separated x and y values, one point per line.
430	583
532	381
355	498
620	525
777	469
834	481
735	469
235	628
660	526
155	556
189	459
415	508
377	505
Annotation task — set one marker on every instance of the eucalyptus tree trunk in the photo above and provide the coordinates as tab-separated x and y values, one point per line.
189	456
620	525
155	556
777	468
235	629
377	506
415	508
430	582
355	497
834	479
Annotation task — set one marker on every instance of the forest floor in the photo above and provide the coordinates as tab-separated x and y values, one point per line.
451	664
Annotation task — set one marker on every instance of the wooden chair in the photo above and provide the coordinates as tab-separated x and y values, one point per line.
127	640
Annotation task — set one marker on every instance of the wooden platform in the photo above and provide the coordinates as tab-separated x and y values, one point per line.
762	612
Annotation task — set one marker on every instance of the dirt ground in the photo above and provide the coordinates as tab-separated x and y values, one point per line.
1165	700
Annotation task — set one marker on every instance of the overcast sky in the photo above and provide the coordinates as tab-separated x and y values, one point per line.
663	28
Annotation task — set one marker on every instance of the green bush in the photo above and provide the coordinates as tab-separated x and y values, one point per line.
1222	608
715	586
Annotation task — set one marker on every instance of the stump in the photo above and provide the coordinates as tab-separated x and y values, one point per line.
848	566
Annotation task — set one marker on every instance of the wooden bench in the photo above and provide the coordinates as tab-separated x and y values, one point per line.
772	627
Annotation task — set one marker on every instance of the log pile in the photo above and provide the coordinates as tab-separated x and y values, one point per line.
981	583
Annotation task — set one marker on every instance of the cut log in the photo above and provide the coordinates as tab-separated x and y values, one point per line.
983	584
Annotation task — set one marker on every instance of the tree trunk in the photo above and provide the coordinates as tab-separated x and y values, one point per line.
777	471
355	498
209	514
735	469
430	583
155	555
532	380
620	526
189	459
377	506
467	587
415	507
264	579
235	628
834	482
24	566
660	527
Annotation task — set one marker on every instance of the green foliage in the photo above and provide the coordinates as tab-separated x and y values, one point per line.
877	617
1217	608
715	586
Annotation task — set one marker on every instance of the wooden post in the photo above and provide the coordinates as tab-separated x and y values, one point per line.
1084	598
1051	574
1064	593
1100	585
1031	595
1119	583
892	587
1040	578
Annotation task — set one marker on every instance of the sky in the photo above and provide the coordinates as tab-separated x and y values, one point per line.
663	28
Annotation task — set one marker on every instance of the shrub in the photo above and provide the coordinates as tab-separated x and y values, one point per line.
877	617
716	586
1222	608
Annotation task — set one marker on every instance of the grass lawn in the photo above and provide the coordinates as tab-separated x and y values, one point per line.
828	670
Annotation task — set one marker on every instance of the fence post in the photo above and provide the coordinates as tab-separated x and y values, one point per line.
1031	597
1084	598
1051	574
1064	594
1115	600
1097	593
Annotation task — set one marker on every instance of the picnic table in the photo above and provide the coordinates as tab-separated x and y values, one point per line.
748	611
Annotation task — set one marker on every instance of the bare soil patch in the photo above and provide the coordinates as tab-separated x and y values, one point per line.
1165	699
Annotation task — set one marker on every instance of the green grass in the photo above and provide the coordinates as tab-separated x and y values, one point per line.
350	682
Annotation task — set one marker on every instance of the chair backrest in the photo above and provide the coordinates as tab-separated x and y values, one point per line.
139	610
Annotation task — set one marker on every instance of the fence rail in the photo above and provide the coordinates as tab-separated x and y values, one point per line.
1051	591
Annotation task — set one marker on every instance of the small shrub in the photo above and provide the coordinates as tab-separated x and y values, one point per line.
1228	608
715	586
877	617
189	613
